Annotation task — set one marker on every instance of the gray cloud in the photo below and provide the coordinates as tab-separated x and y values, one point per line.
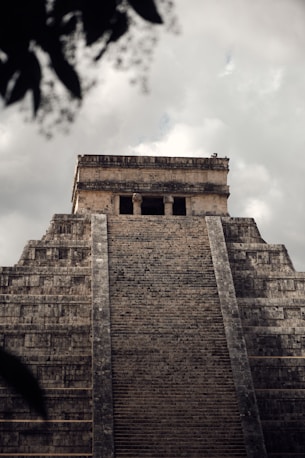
232	82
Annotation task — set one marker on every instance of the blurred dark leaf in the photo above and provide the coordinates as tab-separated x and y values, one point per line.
20	378
61	8
147	10
21	86
37	92
66	74
118	29
61	66
68	26
7	70
120	26
28	79
21	22
36	98
97	17
43	34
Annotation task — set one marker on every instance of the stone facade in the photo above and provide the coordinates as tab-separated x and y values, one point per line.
100	182
158	326
271	299
46	319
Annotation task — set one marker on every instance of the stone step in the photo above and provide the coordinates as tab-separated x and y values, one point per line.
169	349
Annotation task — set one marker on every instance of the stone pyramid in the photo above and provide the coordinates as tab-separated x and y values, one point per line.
158	325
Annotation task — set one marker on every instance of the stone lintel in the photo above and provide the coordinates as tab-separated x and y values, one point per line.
149	188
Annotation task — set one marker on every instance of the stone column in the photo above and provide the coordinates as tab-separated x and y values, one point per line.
168	205
137	200
116	204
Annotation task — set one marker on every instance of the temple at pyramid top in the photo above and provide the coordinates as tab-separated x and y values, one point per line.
150	185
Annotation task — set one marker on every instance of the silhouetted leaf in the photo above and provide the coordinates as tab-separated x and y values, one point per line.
35	76
66	74
37	19
64	15
28	79
97	18
20	378
36	98
7	70
147	10
20	23
119	28
67	27
51	25
61	66
63	7
21	86
13	32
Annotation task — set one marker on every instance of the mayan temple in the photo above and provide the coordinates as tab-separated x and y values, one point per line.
158	325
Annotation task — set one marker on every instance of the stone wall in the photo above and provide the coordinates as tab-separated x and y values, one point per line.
45	318
271	301
99	180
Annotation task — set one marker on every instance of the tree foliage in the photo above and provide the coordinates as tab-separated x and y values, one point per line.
35	34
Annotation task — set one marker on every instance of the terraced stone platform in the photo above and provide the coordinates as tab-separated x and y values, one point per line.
158	326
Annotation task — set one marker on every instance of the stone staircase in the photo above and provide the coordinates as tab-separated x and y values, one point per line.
45	318
173	390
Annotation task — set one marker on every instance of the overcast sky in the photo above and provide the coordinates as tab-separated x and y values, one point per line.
232	83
